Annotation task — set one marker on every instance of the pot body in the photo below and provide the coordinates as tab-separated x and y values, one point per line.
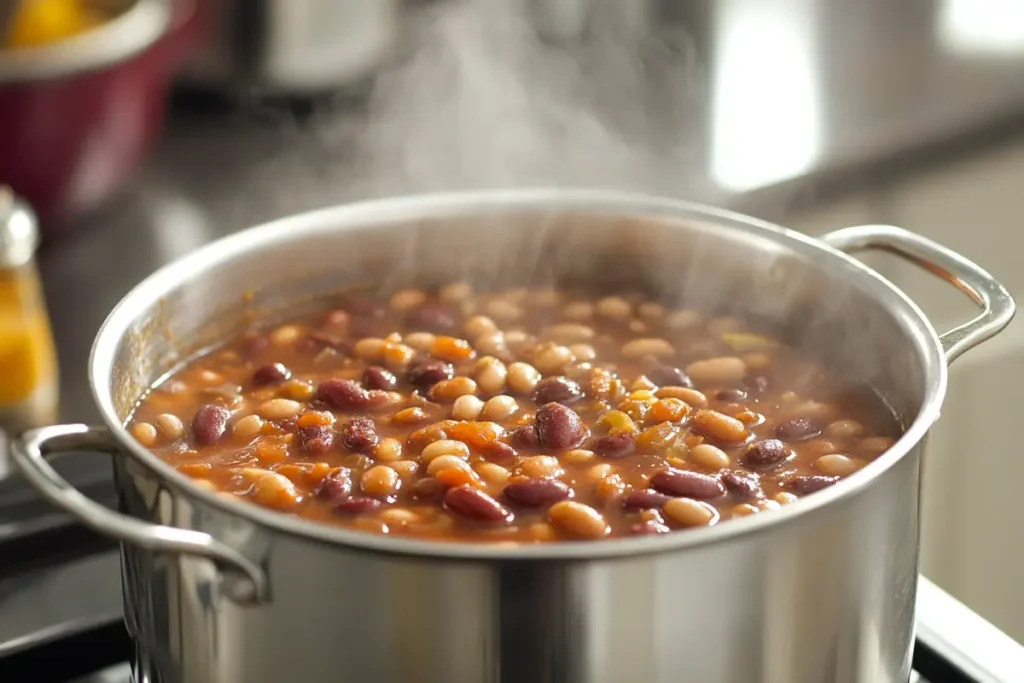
821	591
828	601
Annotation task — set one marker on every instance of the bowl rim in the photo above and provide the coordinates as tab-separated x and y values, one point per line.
365	214
115	41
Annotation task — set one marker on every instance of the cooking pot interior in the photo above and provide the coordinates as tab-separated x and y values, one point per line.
723	266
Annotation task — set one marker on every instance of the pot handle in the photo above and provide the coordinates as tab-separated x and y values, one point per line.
31	451
996	303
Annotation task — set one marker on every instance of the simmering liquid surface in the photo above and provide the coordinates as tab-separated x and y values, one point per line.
525	415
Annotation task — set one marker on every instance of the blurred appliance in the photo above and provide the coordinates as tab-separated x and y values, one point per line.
78	115
293	48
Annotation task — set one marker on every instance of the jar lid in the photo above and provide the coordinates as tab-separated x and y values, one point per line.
19	231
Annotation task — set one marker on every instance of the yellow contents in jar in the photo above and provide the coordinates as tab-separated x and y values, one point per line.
40	22
27	355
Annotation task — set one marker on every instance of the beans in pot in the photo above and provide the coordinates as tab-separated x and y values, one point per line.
523	416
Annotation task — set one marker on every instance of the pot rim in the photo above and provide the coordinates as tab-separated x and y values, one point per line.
115	41
363	214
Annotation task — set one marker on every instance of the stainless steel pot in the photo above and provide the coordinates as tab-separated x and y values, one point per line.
821	591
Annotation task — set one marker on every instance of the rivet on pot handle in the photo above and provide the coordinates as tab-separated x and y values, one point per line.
30	453
996	303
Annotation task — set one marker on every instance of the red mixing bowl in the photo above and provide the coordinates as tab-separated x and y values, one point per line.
78	115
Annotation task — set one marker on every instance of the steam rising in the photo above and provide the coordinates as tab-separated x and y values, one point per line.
501	93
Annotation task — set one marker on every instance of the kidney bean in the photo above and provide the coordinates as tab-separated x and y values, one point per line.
557	390
498	452
316	341
809	483
799	429
336	485
741	485
687	484
252	345
525	435
537	492
431	318
357	505
766	453
342	394
317	439
731	395
647	528
359	434
617	445
362	306
426	372
472	503
376	377
209	424
668	376
644	499
270	374
558	427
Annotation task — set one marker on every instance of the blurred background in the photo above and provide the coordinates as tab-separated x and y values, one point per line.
137	130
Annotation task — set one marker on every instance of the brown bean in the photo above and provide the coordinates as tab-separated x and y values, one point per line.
668	376
252	345
472	503
317	439
426	372
731	395
809	483
799	429
674	482
741	485
537	492
644	499
343	394
617	445
270	374
356	505
558	427
498	452
766	453
359	434
336	485
209	424
557	390
432	318
525	435
376	377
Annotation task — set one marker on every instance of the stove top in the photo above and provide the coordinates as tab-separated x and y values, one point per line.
61	620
